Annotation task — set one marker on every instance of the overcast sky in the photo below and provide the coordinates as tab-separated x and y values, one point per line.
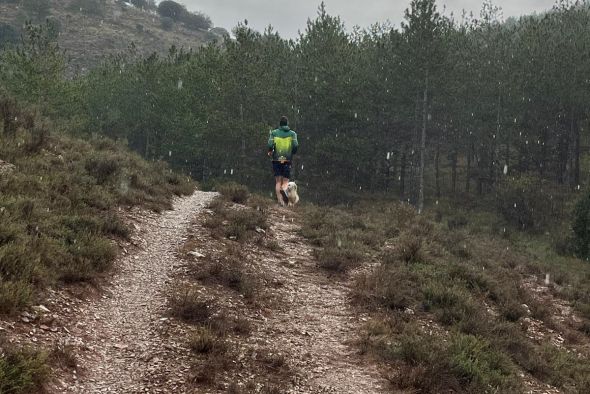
289	16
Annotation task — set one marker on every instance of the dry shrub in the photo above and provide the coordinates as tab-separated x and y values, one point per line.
230	271
204	341
188	305
338	260
234	192
390	287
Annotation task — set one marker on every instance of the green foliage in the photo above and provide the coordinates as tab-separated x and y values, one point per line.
208	112
172	9
527	203
59	205
479	365
196	21
21	370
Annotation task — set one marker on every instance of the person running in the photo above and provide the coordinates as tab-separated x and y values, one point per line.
282	145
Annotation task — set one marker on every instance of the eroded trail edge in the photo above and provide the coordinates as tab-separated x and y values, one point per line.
122	331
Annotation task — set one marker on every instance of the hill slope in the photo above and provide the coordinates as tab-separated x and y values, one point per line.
89	37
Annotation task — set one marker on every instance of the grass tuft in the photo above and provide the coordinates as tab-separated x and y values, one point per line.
187	304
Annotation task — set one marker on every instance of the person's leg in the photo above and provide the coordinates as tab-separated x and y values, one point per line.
286	173
285	183
278	185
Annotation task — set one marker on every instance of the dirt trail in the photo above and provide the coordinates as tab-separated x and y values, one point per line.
122	331
128	345
314	322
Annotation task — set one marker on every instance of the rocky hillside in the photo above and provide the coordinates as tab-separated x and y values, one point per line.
88	35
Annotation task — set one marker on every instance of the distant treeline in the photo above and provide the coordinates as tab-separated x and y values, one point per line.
478	101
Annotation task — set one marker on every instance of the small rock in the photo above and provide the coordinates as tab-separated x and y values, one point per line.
260	230
41	308
196	254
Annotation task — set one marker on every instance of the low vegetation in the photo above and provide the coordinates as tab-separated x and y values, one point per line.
450	303
238	223
229	269
22	370
58	206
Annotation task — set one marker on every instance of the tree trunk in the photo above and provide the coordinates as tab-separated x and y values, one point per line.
492	174
468	170
402	175
423	145
454	172
436	168
576	164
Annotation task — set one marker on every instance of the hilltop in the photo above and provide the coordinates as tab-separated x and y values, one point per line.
88	35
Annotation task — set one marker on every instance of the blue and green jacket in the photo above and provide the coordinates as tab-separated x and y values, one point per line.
283	144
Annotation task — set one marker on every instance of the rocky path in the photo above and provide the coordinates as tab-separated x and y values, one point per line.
126	344
122	331
314	324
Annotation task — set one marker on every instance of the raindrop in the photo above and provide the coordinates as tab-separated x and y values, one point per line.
301	166
514	205
388	155
356	115
169	153
578	187
232	171
224	172
505	169
179	84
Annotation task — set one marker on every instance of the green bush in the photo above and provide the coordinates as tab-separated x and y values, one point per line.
172	9
59	208
21	370
478	365
581	227
526	202
196	21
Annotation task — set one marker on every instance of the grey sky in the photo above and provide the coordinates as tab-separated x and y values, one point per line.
289	16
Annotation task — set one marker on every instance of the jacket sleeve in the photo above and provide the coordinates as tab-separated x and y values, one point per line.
271	141
295	143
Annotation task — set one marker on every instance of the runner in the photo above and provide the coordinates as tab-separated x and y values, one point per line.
282	145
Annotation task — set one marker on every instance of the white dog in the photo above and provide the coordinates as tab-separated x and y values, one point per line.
292	192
